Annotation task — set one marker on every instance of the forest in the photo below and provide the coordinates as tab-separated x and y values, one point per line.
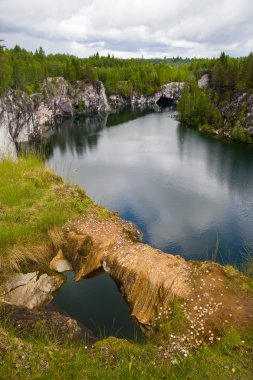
228	78
23	70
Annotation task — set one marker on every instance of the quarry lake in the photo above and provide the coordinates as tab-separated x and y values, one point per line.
185	191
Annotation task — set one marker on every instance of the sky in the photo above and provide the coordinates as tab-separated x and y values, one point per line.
130	28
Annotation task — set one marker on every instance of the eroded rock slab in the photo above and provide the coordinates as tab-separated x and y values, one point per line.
146	277
30	290
150	280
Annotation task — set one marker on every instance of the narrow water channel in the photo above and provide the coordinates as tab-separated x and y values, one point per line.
184	190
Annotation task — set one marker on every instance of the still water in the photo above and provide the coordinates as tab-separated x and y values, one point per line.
184	190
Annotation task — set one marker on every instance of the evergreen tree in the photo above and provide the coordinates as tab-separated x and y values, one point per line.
5	70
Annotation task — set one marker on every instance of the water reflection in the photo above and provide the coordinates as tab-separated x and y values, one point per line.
98	303
231	163
76	135
180	187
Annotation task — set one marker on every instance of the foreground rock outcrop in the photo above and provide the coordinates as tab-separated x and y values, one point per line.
212	297
31	290
50	319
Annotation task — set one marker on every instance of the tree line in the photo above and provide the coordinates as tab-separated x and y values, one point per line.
26	71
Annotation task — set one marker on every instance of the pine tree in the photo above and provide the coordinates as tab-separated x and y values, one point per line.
5	70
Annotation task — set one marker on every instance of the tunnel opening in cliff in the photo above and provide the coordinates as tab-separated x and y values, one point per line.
163	101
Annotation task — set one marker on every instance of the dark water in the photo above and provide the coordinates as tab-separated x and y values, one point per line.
184	190
98	304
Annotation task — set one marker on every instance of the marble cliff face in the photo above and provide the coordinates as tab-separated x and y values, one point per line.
24	116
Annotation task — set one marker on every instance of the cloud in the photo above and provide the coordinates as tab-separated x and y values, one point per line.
130	28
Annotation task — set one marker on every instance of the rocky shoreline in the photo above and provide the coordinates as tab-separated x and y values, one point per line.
24	117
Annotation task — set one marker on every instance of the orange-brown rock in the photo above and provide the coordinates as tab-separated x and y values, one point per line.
150	279
147	278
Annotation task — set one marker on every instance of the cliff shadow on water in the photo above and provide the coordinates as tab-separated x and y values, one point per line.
81	132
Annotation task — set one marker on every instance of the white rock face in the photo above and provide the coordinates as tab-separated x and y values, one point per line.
204	81
30	290
23	116
7	145
170	91
60	263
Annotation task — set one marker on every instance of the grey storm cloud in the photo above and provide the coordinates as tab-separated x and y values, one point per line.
130	28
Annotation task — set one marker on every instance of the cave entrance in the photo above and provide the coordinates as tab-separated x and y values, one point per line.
163	101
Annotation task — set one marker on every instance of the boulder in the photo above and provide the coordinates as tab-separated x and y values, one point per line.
30	290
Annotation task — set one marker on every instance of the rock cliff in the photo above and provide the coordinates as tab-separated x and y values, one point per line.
240	111
23	116
170	91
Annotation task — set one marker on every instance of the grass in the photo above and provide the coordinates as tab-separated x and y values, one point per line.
33	203
241	279
34	206
168	321
42	357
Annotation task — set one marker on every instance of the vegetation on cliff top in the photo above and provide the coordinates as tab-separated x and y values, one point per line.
207	108
23	70
34	205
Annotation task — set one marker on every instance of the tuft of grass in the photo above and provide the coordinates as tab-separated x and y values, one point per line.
34	204
171	321
216	249
230	271
243	279
247	265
